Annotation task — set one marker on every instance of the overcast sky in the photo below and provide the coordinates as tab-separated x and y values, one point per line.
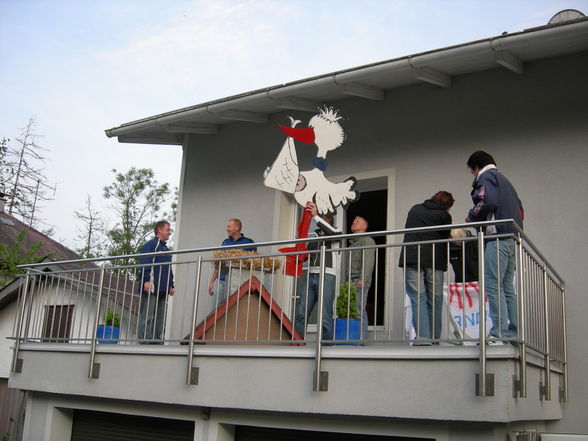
80	67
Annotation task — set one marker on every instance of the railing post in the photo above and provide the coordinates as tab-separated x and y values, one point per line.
94	371
546	386
565	397
16	365
192	377
320	383
481	376
522	381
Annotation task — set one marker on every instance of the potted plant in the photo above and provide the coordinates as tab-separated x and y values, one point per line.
347	325
109	332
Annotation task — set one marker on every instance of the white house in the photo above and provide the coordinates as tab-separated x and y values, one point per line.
411	124
62	310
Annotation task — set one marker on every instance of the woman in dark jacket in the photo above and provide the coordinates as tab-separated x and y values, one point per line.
423	270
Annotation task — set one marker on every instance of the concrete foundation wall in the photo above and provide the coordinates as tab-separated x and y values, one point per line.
50	419
432	384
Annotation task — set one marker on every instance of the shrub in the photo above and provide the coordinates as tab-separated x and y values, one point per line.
112	318
346	301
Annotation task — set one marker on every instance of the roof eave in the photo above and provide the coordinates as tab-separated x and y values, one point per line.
164	129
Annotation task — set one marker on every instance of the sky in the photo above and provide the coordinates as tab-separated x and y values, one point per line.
80	67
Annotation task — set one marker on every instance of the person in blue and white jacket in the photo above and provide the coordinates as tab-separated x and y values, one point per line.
495	198
156	282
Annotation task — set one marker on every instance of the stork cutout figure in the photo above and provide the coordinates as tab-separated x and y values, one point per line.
325	132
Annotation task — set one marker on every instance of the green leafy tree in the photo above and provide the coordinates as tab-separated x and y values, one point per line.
139	201
174	206
11	257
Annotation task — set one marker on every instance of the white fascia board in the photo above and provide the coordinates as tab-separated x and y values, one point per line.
200	129
149	140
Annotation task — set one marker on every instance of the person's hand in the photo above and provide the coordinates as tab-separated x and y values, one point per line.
211	288
467	219
171	291
147	287
311	208
359	283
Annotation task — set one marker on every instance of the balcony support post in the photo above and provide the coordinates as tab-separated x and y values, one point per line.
16	364
192	375
520	272
94	370
565	397
545	389
481	377
320	386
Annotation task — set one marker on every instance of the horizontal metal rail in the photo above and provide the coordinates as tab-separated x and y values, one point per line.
247	299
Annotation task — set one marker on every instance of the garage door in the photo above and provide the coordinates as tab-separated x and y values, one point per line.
250	433
104	426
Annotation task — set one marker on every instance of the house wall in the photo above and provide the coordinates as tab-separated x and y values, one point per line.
50	417
534	124
7	315
52	294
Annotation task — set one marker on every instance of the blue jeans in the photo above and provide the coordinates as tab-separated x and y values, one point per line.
307	301
219	297
499	266
362	296
422	302
151	317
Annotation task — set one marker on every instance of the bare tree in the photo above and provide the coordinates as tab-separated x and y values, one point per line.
91	234
23	178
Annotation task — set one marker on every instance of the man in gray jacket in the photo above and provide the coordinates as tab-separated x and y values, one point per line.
361	267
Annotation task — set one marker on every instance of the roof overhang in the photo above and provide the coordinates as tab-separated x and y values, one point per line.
437	67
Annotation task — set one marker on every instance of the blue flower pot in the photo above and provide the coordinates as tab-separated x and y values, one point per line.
109	334
341	332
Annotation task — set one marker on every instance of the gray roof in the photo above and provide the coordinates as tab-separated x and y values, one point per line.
437	67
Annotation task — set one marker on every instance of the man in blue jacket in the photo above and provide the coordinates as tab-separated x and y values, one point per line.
235	237
495	198
156	280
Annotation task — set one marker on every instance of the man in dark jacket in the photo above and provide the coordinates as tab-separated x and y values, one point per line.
425	264
156	280
308	284
495	198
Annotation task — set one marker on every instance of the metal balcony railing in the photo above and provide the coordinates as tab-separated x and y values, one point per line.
244	298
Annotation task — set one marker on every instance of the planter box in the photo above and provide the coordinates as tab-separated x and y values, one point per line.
108	334
347	329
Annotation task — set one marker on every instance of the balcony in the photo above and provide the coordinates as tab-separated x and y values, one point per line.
255	351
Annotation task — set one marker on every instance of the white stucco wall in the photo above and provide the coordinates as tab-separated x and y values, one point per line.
44	411
7	315
535	125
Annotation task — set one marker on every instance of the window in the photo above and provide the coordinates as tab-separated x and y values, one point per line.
57	323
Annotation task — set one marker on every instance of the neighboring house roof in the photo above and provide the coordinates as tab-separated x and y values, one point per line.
10	227
53	251
436	67
222	313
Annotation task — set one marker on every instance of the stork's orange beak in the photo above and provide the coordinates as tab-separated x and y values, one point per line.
303	135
